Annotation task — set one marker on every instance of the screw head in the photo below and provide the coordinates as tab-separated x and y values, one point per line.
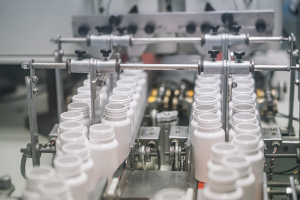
297	82
35	91
234	85
24	65
35	79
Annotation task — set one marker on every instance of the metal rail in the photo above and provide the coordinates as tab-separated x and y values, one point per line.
267	39
134	66
192	40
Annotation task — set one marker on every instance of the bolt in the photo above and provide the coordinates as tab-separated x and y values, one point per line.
234	84
35	79
297	82
273	133
24	65
35	91
295	53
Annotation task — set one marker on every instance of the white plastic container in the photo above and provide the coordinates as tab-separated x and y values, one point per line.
116	115
245	83
207	100
60	189
64	127
170	194
72	137
31	195
248	146
206	91
246	178
86	98
82	150
247	129
209	132
124	99
104	151
243	90
208	83
38	174
243	108
218	151
242	118
209	77
68	168
222	185
242	76
138	90
74	116
136	75
84	109
129	92
102	95
242	99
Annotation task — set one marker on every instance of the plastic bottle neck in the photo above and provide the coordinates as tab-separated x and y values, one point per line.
206	100
79	149
248	144
120	98
71	116
243	108
242	91
201	109
83	98
206	91
127	83
207	83
246	128
55	187
70	126
222	180
221	149
82	107
115	112
243	99
238	162
68	166
124	91
38	174
101	133
243	118
209	123
72	137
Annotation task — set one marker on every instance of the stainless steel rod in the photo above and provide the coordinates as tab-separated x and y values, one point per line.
272	68
172	40
73	40
134	66
49	65
278	184
291	155
267	39
292	90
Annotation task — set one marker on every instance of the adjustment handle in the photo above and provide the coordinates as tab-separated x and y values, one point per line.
99	29
215	28
213	54
121	30
80	53
235	28
239	55
105	52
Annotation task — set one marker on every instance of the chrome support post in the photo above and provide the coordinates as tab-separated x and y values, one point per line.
292	87
31	91
58	83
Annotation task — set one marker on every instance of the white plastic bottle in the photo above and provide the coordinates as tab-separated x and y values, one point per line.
248	146
242	118
87	82
129	92
124	99
246	178
138	90
209	77
84	109
245	83
104	151
83	98
64	127
242	91
243	108
209	83
207	100
206	91
241	99
68	168
58	189
74	116
209	132
218	151
170	194
247	129
102	95
222	185
116	115
34	176
82	150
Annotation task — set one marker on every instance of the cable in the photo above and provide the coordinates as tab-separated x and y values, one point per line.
282	172
158	160
23	164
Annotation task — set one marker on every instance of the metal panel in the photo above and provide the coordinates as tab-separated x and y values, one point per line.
147	183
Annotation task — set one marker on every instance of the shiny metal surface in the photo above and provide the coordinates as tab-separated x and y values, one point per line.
136	66
192	40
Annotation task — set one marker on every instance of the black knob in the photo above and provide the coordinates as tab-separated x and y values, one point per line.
121	30
80	53
205	28
190	28
131	29
215	28
107	29
5	182
213	54
83	30
115	20
239	55
105	52
260	25
227	18
149	29
99	29
235	28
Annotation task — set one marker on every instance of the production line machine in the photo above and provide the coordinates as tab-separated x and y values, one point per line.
162	137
